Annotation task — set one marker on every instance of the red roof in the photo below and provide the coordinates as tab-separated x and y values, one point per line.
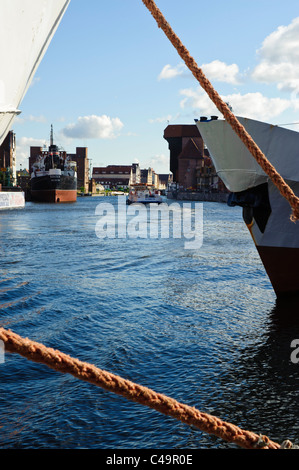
112	169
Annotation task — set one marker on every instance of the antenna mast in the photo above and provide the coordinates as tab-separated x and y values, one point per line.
51	135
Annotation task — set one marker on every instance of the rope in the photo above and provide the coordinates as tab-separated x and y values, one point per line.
269	169
61	362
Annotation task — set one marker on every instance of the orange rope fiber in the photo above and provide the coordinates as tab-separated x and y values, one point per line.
269	169
61	362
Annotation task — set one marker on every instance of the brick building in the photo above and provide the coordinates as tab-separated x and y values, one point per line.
81	158
113	176
8	160
122	176
190	161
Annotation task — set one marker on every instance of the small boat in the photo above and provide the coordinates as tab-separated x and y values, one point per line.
143	194
266	212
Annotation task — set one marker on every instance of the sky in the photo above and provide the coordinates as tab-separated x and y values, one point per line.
111	80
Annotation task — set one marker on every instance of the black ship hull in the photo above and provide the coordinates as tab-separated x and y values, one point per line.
54	188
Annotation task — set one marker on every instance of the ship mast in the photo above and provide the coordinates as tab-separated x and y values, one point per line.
51	136
51	146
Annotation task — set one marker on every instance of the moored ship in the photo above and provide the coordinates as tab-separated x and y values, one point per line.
265	211
143	194
35	22
54	176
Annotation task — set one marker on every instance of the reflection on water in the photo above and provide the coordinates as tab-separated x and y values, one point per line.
202	326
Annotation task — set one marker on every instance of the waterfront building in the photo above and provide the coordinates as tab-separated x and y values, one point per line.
190	162
164	181
123	176
83	171
113	176
8	160
135	177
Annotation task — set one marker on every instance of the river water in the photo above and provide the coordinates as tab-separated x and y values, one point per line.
200	324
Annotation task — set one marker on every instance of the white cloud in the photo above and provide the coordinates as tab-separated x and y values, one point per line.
30	118
282	44
252	105
159	163
93	127
221	72
169	72
215	71
279	58
23	150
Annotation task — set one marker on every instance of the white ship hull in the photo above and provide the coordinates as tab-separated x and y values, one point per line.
145	200
265	211
26	29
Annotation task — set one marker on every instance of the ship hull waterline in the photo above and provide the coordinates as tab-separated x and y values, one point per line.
54	195
54	189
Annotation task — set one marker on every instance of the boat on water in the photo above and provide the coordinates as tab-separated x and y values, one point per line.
143	193
265	211
54	176
35	22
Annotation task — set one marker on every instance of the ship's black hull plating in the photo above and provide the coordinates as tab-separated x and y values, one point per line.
54	188
62	182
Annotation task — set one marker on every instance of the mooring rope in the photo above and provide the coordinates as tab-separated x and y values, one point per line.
61	362
268	168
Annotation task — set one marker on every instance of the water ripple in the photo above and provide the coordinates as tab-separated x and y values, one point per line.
202	326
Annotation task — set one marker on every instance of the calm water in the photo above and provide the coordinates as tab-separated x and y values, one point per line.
202	326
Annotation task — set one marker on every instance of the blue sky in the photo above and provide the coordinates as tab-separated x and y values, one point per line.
111	81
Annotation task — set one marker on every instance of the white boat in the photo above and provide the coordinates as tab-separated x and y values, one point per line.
265	211
143	194
26	29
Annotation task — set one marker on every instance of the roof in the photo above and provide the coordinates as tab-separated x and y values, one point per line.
112	169
181	130
164	177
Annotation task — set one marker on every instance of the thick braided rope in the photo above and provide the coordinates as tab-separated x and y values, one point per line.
269	169
61	362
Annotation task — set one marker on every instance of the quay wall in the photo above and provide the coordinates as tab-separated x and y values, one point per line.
198	196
